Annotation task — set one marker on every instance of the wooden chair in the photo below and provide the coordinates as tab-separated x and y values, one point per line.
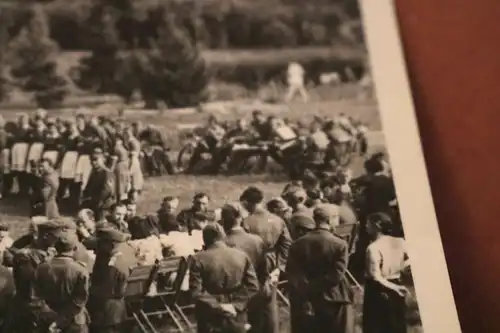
138	285
169	278
349	233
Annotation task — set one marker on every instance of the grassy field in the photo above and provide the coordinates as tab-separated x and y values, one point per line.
221	189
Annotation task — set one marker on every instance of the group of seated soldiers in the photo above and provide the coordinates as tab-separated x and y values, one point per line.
72	273
319	143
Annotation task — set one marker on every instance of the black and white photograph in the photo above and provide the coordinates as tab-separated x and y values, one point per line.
212	166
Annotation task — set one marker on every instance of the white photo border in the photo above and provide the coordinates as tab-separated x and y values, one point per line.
432	284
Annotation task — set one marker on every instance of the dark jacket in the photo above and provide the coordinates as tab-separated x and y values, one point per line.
219	275
63	286
252	245
274	232
100	190
108	285
316	268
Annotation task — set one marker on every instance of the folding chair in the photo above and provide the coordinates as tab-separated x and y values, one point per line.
138	285
170	275
349	233
281	294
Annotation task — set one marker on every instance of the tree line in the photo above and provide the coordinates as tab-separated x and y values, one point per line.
211	23
150	47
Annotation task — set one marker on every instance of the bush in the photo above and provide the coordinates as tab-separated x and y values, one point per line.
97	71
32	62
177	74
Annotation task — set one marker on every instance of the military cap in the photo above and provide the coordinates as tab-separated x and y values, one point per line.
97	152
325	212
66	242
304	222
112	234
278	204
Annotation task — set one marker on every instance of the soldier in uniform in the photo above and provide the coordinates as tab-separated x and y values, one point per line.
24	262
192	218
114	259
236	236
319	295
222	281
156	157
274	232
296	199
48	192
99	194
167	218
61	290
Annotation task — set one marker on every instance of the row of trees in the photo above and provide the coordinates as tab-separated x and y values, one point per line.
171	70
212	23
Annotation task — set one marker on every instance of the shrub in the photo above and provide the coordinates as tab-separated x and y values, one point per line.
97	71
177	74
32	62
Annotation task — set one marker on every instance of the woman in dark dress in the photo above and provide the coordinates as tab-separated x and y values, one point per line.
384	304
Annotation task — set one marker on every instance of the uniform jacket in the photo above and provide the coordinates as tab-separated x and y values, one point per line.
63	286
108	285
316	269
100	189
274	232
219	275
252	245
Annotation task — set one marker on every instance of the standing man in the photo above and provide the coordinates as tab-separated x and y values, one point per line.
222	281
319	295
295	81
237	237
99	194
274	232
50	187
61	290
114	259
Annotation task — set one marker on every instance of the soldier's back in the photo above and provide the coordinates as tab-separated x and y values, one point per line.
266	225
251	244
223	268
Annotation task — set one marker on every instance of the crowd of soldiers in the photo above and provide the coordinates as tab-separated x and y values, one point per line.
70	275
94	162
51	161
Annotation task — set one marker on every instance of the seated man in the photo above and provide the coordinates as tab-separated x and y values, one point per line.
211	143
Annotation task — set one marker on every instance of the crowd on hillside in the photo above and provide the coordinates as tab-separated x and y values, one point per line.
94	162
71	274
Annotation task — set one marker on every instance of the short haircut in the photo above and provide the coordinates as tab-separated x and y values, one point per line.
170	198
252	195
118	205
200	195
212	233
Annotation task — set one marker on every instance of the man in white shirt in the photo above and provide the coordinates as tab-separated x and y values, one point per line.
295	81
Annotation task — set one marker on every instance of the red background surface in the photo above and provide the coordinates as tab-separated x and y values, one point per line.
453	53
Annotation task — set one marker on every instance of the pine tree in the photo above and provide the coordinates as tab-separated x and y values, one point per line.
177	74
97	71
32	62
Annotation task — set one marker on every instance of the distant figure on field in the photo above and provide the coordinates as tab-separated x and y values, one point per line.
295	81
